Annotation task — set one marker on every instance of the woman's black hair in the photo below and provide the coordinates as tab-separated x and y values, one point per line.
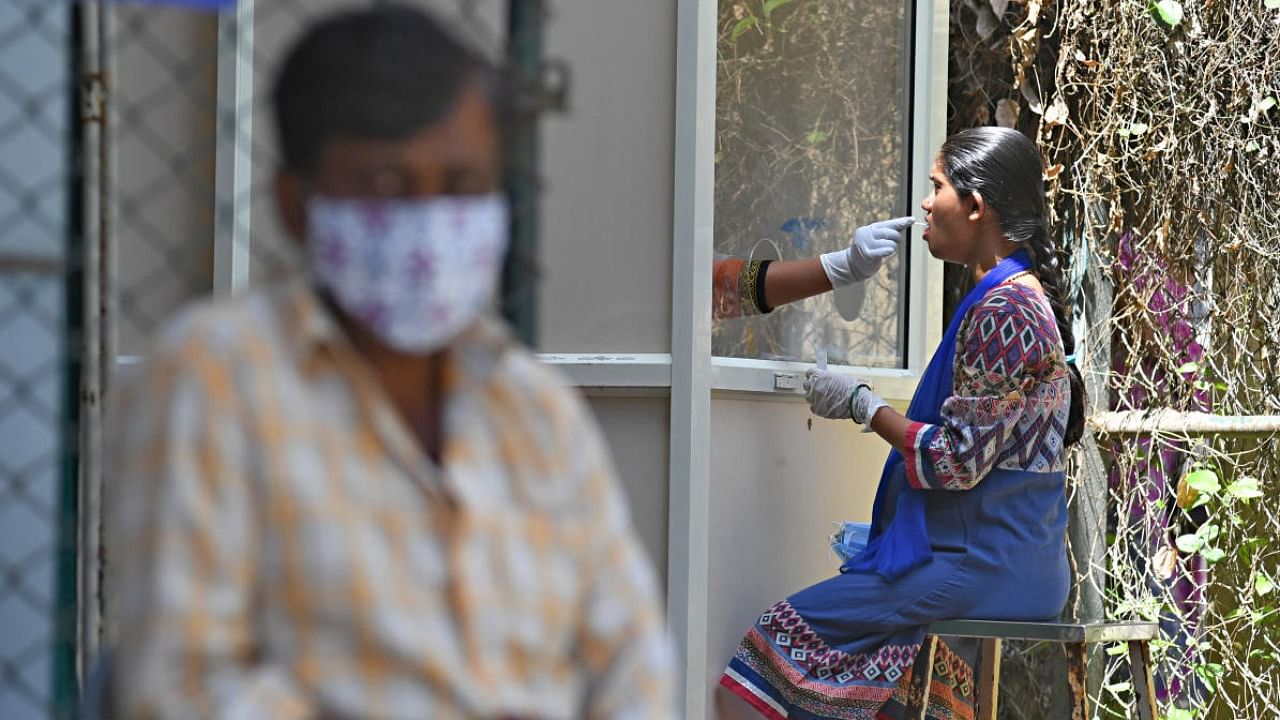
1004	167
381	73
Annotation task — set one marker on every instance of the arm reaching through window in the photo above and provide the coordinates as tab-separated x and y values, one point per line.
753	287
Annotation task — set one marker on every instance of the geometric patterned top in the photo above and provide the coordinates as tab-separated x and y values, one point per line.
1010	401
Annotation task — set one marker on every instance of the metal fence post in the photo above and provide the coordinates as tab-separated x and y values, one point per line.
94	346
526	20
1087	526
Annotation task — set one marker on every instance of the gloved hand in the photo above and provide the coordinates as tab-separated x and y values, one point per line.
871	245
864	405
829	394
841	397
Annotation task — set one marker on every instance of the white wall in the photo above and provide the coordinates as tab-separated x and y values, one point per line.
777	486
606	231
606	223
636	429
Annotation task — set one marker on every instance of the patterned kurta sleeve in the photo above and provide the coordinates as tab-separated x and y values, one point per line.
1007	346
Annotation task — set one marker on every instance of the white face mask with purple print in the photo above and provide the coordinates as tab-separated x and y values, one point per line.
413	272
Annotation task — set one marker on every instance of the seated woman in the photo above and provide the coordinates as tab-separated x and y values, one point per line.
970	516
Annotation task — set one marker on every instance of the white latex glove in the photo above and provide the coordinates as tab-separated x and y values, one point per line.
829	394
864	405
871	245
841	397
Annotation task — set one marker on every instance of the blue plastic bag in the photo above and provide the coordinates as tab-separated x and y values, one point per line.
849	539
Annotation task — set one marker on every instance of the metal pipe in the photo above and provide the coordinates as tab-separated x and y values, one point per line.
233	174
109	297
92	108
525	21
1177	422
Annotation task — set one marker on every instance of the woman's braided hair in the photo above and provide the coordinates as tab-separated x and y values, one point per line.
1004	167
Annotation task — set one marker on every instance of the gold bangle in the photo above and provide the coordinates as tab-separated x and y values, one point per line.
747	288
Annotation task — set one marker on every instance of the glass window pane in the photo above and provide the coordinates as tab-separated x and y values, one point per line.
812	141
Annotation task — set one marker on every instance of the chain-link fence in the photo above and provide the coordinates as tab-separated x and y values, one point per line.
36	105
1160	129
136	160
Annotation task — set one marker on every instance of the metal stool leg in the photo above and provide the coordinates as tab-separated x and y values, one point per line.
1078	679
1144	688
921	677
988	690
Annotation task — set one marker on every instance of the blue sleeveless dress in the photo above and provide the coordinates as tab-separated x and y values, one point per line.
987	480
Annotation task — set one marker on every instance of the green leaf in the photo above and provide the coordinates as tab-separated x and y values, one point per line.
771	5
1246	488
1209	532
1170	12
1262	583
1272	4
1266	104
1189	543
1188	367
1206	481
1114	650
1177	713
1212	554
743	25
1253	145
816	137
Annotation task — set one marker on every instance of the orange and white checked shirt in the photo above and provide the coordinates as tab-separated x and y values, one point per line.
284	549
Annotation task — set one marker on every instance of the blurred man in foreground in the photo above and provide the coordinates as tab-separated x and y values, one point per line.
349	494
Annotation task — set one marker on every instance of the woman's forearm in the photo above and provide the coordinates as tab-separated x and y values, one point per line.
790	280
892	426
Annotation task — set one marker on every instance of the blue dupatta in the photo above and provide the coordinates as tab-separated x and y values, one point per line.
903	545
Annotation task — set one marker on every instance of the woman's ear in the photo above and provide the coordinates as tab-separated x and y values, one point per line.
291	204
977	207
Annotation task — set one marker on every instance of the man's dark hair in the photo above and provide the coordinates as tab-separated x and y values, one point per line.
381	73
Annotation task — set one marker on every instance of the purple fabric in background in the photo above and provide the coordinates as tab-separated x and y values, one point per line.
1156	469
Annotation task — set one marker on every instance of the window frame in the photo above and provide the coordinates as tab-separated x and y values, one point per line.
607	373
